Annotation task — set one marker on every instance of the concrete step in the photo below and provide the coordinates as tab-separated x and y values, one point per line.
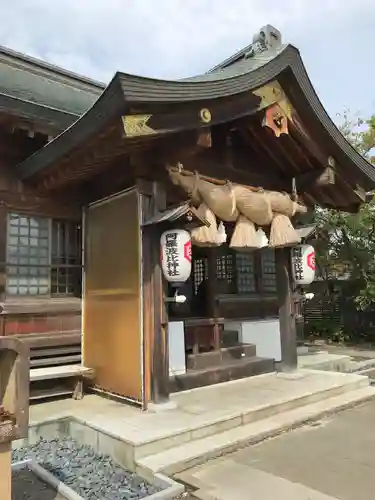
224	372
238	351
332	385
180	458
212	359
368	372
325	361
229	338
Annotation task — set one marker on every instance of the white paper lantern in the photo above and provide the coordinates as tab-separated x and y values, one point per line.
176	255
303	264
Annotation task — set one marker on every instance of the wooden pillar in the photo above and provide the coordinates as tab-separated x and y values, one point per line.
160	349
155	317
3	250
5	471
211	294
286	310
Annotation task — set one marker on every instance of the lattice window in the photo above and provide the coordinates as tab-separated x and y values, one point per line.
245	272
64	257
43	256
28	255
269	270
224	268
200	272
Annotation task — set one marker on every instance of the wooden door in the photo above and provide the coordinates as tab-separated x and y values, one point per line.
112	325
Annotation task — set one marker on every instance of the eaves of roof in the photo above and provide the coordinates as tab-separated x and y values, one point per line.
48	116
34	81
126	90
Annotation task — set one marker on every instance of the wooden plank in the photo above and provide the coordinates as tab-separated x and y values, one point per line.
58	351
55	339
55	372
41	306
58	392
56	361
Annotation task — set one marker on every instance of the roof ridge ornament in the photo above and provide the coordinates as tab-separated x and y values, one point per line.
268	38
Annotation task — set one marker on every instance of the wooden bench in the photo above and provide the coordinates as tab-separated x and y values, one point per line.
55	365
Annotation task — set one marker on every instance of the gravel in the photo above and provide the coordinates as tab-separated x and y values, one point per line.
92	475
27	486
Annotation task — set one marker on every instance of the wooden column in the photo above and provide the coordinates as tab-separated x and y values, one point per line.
160	349
155	317
211	294
5	471
3	250
286	310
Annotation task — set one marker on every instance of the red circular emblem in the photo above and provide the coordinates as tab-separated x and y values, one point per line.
187	251
311	260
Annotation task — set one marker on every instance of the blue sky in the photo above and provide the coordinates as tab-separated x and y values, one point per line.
178	38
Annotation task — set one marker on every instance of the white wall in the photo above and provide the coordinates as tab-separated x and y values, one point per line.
176	337
263	333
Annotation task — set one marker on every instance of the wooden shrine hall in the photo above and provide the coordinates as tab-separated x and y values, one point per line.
238	157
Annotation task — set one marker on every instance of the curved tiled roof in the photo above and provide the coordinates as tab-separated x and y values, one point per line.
32	88
244	74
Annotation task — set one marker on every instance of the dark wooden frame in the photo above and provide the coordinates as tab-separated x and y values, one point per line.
15	365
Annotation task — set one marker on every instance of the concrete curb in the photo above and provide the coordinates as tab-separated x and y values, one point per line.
48	478
170	487
272	427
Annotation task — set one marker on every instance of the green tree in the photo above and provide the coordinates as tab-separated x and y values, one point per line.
346	242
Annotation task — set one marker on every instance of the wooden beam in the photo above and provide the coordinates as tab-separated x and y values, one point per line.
204	138
213	180
39	205
315	178
288	335
361	193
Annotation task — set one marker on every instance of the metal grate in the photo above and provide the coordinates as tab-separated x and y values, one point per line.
268	270
245	273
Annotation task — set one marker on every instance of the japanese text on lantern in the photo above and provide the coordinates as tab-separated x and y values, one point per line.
171	254
298	264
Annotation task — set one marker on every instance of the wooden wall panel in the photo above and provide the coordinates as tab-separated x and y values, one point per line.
112	336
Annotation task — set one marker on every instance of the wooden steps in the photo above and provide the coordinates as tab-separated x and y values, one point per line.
228	370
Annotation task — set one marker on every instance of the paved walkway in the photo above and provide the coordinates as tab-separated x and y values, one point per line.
332	459
221	405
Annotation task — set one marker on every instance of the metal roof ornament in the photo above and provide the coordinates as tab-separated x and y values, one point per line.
268	38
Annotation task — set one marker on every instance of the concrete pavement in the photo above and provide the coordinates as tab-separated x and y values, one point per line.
330	459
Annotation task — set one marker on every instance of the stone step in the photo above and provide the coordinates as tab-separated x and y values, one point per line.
368	372
205	360
238	351
229	338
180	458
325	361
221	372
332	384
